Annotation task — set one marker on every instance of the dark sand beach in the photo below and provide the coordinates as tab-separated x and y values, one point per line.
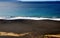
24	26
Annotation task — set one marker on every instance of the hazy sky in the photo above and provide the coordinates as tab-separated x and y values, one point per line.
38	0
8	0
29	0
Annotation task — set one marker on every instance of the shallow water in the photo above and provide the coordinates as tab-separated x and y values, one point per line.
30	9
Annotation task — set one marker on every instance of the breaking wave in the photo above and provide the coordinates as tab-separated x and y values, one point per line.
30	18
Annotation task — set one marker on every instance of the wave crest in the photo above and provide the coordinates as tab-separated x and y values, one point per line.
29	18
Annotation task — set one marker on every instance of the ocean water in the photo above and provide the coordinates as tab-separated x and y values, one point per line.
30	9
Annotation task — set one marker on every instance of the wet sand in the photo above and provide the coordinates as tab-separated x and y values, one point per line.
20	26
23	26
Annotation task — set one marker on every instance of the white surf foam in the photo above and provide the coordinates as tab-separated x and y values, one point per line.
29	18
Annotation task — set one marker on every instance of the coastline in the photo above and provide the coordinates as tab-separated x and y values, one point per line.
24	25
28	25
30	18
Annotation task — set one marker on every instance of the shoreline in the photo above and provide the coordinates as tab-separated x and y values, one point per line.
21	26
30	18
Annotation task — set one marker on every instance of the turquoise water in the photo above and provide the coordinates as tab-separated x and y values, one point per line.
30	9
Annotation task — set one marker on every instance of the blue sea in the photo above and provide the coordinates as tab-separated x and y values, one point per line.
30	9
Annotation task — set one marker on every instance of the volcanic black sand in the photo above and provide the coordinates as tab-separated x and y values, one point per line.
23	26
